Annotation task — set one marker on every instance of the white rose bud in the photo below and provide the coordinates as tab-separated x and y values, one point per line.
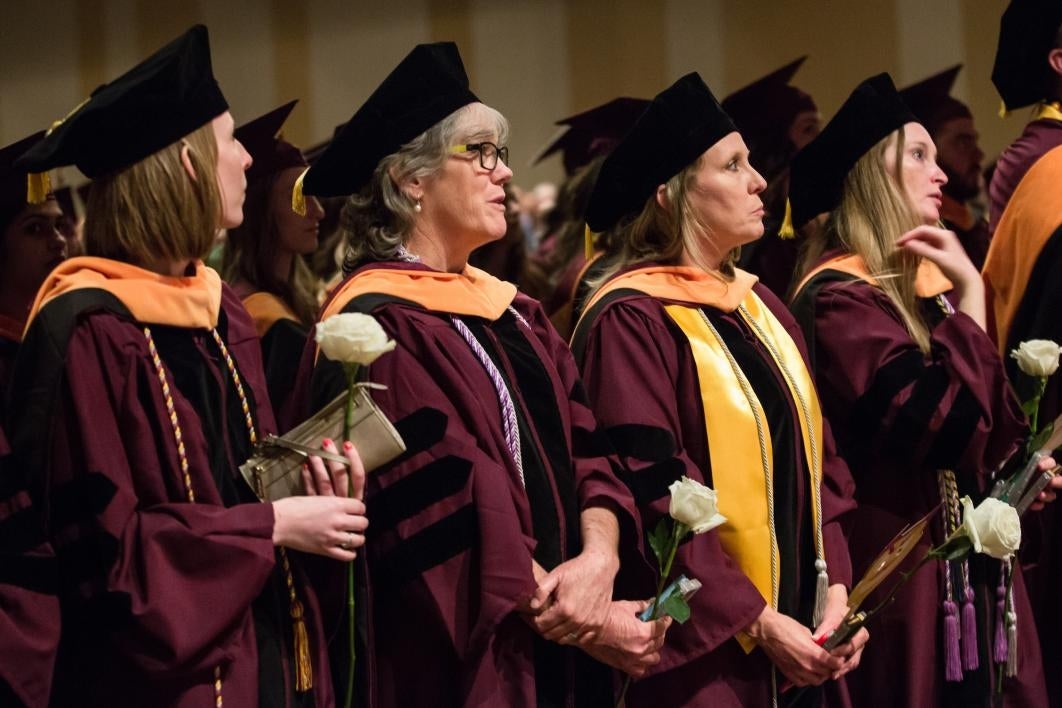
352	338
694	505
993	527
1037	357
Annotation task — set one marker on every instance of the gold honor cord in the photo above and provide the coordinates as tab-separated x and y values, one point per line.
789	360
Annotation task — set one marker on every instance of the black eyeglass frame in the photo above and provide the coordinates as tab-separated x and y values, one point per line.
487	151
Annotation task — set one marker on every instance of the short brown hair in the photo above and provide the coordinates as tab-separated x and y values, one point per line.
152	210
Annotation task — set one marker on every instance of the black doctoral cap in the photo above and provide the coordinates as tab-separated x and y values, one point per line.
870	113
425	87
13	179
160	100
593	133
766	108
269	153
680	123
1027	33
931	101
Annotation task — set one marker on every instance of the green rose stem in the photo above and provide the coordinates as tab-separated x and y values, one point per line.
351	370
677	532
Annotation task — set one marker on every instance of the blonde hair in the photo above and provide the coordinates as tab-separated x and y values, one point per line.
662	234
153	210
874	211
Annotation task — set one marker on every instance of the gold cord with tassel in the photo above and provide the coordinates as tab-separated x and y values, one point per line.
298	199
303	665
787	231
588	242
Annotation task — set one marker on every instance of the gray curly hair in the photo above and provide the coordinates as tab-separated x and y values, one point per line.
377	220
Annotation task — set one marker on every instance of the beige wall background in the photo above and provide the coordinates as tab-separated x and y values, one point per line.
535	60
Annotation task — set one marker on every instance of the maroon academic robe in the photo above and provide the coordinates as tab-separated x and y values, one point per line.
156	592
972	232
898	417
452	530
29	609
642	380
1038	137
1021	277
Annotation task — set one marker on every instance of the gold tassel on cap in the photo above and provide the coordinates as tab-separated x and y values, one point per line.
1003	112
786	230
38	187
298	199
588	242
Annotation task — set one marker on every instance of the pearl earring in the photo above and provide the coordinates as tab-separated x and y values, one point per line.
416	206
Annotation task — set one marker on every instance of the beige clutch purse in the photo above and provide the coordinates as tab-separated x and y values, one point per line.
275	470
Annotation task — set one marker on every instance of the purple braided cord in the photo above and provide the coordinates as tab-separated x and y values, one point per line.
505	400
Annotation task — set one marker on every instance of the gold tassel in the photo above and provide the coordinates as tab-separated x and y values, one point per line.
38	187
786	230
588	242
1003	112
298	199
303	666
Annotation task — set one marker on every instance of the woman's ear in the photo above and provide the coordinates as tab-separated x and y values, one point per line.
661	197
412	187
186	160
1054	60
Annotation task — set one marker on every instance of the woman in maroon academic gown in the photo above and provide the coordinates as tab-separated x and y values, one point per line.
505	493
264	256
894	314
140	390
696	370
32	242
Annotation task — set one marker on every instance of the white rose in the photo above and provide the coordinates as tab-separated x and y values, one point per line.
352	338
1037	357
993	527
694	505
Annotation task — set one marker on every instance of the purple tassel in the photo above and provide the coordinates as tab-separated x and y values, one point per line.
999	651
970	660
952	662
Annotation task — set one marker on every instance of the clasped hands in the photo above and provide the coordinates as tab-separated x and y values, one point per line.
793	648
573	605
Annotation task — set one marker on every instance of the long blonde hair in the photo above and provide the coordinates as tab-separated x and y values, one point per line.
874	211
153	210
662	234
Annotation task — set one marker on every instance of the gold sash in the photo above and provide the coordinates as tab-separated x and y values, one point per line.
739	439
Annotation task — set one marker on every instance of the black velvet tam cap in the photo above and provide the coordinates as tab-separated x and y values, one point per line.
930	99
167	96
428	85
269	153
870	113
592	133
1027	33
680	123
765	109
12	179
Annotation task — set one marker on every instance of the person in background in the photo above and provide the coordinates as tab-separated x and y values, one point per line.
951	126
33	240
142	391
582	141
265	256
776	119
894	315
1027	72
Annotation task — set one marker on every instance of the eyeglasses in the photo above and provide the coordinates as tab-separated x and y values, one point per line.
489	154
